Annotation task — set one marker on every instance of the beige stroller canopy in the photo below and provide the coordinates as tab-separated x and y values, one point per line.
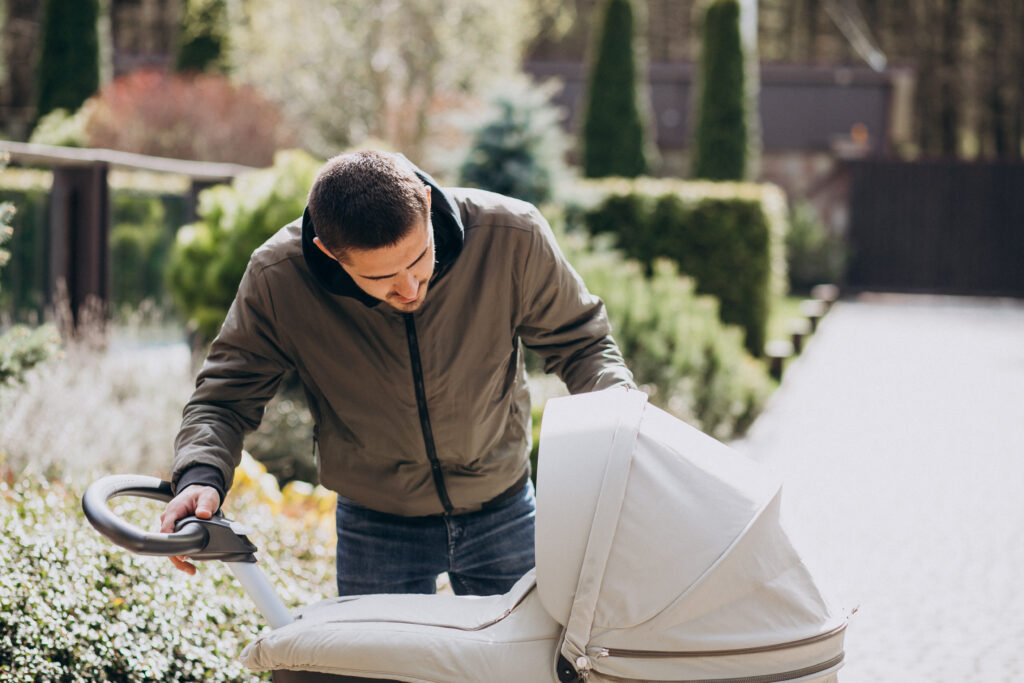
660	557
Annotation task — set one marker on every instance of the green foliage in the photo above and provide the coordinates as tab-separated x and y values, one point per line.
6	232
69	71
62	128
728	237
519	151
140	244
204	35
721	139
815	254
74	607
284	441
210	256
22	348
613	142
673	341
23	280
395	72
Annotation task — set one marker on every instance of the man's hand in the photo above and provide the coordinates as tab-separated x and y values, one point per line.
201	501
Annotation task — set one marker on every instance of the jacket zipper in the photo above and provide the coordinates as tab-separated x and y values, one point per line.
421	403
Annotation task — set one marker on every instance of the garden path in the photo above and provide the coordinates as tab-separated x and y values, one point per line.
899	435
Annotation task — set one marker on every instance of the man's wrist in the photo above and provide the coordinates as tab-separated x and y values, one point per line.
203	475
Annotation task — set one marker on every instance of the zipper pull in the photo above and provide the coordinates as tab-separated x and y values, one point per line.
598	652
583	666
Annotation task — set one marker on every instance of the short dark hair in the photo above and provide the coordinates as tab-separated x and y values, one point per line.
366	200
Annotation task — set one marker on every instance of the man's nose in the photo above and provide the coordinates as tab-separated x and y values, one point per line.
407	286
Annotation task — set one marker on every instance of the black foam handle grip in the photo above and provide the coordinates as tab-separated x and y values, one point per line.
191	538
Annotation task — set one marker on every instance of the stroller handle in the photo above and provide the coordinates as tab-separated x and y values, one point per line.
189	539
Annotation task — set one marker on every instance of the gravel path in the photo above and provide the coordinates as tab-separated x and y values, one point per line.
899	435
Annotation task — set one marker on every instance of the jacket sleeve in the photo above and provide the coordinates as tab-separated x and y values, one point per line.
240	375
565	323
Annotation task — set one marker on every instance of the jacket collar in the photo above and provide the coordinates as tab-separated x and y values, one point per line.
448	239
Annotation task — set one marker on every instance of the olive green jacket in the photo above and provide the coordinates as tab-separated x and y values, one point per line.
415	413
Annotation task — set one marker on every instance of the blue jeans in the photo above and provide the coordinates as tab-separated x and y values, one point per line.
484	552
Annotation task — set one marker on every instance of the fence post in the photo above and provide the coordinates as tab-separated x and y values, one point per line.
79	229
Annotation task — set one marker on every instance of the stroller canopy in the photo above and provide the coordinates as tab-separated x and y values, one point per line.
659	557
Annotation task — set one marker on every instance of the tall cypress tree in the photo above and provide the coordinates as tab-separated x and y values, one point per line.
721	135
613	140
69	62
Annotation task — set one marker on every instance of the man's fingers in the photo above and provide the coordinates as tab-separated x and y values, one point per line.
207	504
180	563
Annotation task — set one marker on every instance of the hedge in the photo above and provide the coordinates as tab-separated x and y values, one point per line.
730	237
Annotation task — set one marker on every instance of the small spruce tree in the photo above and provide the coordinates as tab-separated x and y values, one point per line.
518	150
721	135
613	142
69	63
202	42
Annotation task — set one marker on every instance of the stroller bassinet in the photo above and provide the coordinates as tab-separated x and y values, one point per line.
660	557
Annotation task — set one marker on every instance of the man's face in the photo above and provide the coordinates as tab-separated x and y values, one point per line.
397	275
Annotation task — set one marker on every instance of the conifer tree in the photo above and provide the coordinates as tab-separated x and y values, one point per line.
721	134
69	64
613	142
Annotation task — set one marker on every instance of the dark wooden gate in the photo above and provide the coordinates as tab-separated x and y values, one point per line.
941	227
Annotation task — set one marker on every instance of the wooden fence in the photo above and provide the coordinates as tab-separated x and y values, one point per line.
79	210
943	227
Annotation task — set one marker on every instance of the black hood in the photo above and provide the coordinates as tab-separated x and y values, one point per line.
448	238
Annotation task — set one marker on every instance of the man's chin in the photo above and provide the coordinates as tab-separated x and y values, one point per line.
405	306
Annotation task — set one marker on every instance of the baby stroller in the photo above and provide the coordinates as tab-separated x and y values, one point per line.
660	557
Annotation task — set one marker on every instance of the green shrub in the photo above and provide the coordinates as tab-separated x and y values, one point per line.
210	256
815	254
678	350
22	348
140	244
202	41
728	236
721	137
519	151
74	607
69	66
62	128
613	133
284	441
23	281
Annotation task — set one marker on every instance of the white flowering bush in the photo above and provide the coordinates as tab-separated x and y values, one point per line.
74	607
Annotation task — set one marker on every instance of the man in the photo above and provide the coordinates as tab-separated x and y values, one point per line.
401	307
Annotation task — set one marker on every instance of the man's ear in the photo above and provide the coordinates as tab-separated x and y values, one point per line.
320	245
428	198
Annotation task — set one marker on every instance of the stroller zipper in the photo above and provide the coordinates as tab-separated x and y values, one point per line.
781	677
617	652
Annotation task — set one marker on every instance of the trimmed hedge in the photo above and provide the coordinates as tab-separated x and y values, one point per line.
730	237
672	339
